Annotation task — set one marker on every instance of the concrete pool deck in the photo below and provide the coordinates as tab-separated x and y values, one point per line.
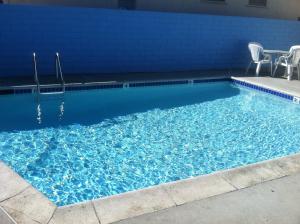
278	84
185	201
275	202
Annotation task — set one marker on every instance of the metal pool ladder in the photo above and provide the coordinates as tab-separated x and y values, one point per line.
59	77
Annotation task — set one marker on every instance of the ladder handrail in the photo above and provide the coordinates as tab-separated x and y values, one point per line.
59	71
36	79
59	74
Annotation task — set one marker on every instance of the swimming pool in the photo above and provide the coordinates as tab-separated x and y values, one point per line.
90	144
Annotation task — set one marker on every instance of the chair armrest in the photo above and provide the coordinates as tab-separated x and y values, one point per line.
281	58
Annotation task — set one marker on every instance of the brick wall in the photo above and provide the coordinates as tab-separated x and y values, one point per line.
101	41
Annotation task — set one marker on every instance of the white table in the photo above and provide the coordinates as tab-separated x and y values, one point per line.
276	52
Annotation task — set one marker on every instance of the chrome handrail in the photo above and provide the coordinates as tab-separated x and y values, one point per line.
36	79
59	73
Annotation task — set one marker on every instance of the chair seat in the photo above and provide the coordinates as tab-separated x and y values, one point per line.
283	64
264	61
286	65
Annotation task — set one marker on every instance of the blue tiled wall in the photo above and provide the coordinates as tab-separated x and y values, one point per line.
99	40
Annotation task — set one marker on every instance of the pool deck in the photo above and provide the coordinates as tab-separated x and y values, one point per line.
265	192
278	84
275	202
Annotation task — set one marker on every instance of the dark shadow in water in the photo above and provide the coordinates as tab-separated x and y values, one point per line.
91	107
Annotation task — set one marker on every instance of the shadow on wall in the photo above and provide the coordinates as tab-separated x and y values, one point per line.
120	41
239	56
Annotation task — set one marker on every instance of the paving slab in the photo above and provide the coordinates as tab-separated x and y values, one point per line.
290	164
10	182
19	217
275	202
197	188
5	218
132	204
253	174
29	203
83	213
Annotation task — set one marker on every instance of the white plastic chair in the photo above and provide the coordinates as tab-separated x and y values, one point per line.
258	57
290	61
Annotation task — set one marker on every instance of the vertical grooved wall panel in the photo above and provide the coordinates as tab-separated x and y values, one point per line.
103	41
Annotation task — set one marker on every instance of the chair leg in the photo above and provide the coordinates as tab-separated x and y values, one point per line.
285	72
258	68
249	66
271	68
289	72
274	73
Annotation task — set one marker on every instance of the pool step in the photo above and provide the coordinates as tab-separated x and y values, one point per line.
52	93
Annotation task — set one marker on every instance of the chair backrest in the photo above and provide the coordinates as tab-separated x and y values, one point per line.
295	55
256	51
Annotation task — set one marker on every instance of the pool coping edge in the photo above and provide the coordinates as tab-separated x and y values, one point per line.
264	88
23	89
70	87
155	198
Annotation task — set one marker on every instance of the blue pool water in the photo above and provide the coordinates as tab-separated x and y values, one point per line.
91	144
